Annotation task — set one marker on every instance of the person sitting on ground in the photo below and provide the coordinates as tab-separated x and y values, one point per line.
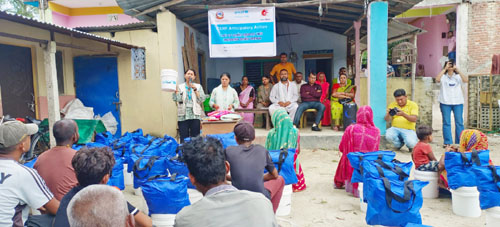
403	115
93	166
298	81
54	165
248	162
422	156
362	136
99	205
310	94
284	95
284	64
222	204
21	187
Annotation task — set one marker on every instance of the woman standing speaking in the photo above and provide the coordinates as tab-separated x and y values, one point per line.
451	99
189	97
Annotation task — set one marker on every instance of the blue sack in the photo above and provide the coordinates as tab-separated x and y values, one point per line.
227	139
488	185
31	163
459	167
283	161
393	203
116	178
166	195
105	138
393	170
355	159
145	167
416	225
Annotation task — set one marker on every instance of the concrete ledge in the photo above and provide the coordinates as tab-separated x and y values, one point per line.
326	139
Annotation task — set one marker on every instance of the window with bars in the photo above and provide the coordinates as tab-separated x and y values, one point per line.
255	69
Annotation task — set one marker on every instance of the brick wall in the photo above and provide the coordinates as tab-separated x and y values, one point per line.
484	36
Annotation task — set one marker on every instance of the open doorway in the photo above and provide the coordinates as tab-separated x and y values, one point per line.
319	65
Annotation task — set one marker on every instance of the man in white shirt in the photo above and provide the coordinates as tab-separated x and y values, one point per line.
21	187
299	81
284	95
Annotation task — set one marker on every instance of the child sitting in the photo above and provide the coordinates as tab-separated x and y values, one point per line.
422	155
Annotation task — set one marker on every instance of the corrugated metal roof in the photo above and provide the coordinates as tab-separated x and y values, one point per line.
337	16
118	28
60	29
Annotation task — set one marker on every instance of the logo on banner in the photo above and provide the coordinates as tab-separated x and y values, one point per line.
264	12
219	15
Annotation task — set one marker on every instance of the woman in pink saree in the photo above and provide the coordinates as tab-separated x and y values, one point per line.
246	94
362	136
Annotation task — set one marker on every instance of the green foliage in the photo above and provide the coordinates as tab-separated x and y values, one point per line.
18	7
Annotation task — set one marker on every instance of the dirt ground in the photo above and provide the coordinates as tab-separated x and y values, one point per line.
321	205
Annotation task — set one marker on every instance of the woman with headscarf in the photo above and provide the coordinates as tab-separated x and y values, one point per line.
285	135
325	89
342	93
362	136
470	140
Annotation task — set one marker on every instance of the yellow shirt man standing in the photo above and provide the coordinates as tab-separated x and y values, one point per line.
284	64
403	115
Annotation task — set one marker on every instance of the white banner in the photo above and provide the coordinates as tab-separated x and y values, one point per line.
242	32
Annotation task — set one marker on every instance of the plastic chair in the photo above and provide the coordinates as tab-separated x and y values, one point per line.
303	118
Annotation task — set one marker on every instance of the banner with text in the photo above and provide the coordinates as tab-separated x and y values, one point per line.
242	32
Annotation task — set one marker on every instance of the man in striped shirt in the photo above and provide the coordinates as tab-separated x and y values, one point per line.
20	187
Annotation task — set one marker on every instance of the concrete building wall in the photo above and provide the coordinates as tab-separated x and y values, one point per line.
483	36
430	44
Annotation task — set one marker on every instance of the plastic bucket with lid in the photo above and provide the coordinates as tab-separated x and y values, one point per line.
362	205
492	217
194	195
168	80
430	191
465	202
163	220
285	206
128	178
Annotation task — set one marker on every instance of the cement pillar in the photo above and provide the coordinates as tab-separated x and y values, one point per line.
357	63
52	88
413	71
168	57
462	50
377	61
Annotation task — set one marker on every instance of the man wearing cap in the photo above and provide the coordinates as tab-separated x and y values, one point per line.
247	163
21	187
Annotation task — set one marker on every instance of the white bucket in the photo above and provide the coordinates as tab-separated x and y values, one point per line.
362	205
194	195
492	217
431	191
138	191
127	177
163	220
168	80
465	202
285	206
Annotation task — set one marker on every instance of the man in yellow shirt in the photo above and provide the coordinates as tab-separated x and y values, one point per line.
284	64
404	114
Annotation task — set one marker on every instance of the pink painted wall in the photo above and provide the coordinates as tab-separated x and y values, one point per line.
43	106
88	21
430	44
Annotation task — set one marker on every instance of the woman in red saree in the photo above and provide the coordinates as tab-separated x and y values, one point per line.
325	88
362	136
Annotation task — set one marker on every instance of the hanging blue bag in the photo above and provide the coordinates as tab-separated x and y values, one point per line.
227	139
458	166
116	178
283	161
488	185
393	170
393	203
166	194
355	159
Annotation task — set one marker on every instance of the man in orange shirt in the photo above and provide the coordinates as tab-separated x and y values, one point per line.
284	64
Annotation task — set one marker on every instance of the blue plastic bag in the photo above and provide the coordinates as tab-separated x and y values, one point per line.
416	225
166	195
145	167
488	185
227	139
393	203
105	138
31	163
116	178
355	159
459	167
393	170
283	161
